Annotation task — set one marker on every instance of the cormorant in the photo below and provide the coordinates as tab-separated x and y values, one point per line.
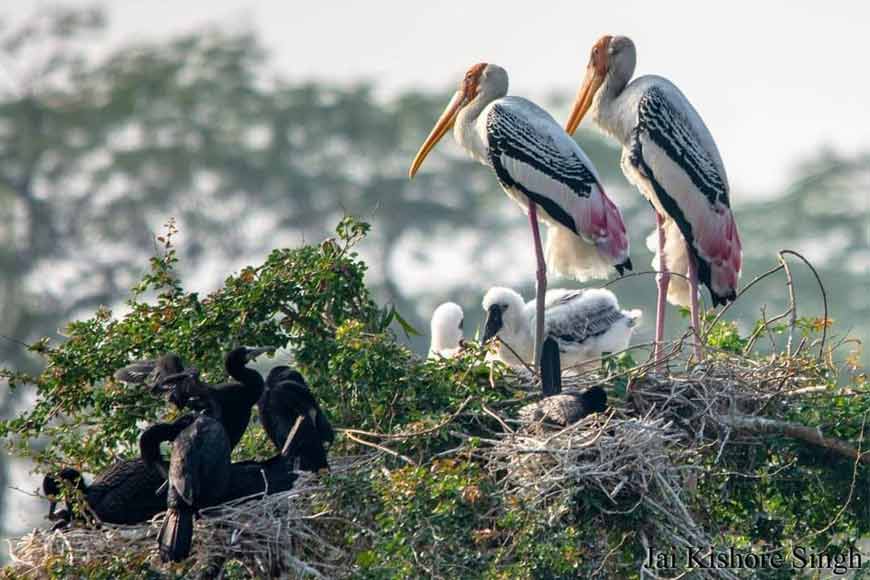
126	493
286	398
150	372
565	408
198	475
236	399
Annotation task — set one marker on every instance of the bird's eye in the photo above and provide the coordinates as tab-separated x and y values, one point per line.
504	306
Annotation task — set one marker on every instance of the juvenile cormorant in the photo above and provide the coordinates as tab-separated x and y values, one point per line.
198	476
150	372
235	399
286	398
565	408
126	493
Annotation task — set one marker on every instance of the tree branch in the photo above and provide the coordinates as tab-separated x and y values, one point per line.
795	431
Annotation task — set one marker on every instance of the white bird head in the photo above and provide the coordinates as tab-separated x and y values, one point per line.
488	81
446	328
504	315
612	57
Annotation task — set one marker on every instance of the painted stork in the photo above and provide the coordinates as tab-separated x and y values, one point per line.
537	165
584	324
446	330
670	156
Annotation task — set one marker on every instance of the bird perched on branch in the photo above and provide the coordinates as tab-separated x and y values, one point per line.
126	493
293	419
542	169
235	399
197	476
150	372
582	325
670	156
446	330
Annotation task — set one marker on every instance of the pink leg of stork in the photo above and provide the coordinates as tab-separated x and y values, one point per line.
542	284
693	308
663	279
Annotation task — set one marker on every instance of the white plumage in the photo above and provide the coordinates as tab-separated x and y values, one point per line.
584	323
446	329
670	156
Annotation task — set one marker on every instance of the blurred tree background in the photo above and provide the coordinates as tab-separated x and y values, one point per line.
97	152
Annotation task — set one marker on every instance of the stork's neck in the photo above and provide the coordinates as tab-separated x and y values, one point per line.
611	109
470	128
517	332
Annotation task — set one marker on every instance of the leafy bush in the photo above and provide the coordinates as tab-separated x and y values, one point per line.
434	505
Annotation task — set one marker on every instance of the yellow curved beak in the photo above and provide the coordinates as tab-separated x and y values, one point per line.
445	122
587	92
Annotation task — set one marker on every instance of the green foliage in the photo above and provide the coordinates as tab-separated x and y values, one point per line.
416	513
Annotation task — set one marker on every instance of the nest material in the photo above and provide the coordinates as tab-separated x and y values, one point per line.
643	453
275	535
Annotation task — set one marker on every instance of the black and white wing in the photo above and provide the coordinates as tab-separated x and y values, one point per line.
674	161
534	157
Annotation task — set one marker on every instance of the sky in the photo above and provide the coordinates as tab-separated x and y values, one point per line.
775	81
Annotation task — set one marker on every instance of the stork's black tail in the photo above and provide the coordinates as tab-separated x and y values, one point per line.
551	368
176	534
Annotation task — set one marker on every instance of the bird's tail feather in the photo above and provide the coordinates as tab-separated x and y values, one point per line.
571	256
676	260
176	535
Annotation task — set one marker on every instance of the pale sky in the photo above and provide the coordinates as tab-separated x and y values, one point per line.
774	81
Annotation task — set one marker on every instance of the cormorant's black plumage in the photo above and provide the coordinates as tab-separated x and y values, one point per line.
126	493
198	476
235	399
286	398
150	372
565	408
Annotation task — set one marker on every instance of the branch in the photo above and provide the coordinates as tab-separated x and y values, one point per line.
795	431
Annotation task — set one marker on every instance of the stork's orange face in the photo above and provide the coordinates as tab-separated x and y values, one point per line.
468	89
596	71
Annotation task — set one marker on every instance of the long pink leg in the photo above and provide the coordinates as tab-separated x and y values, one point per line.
693	308
663	278
542	284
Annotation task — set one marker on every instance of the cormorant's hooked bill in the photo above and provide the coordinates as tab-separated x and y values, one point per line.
493	323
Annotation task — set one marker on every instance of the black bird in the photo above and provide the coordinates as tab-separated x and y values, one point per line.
198	474
288	404
126	493
235	399
150	372
565	408
248	478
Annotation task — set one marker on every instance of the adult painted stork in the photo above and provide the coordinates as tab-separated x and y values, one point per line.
446	330
670	156
537	165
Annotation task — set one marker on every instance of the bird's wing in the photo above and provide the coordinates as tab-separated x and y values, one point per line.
136	372
581	316
184	465
531	153
672	150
